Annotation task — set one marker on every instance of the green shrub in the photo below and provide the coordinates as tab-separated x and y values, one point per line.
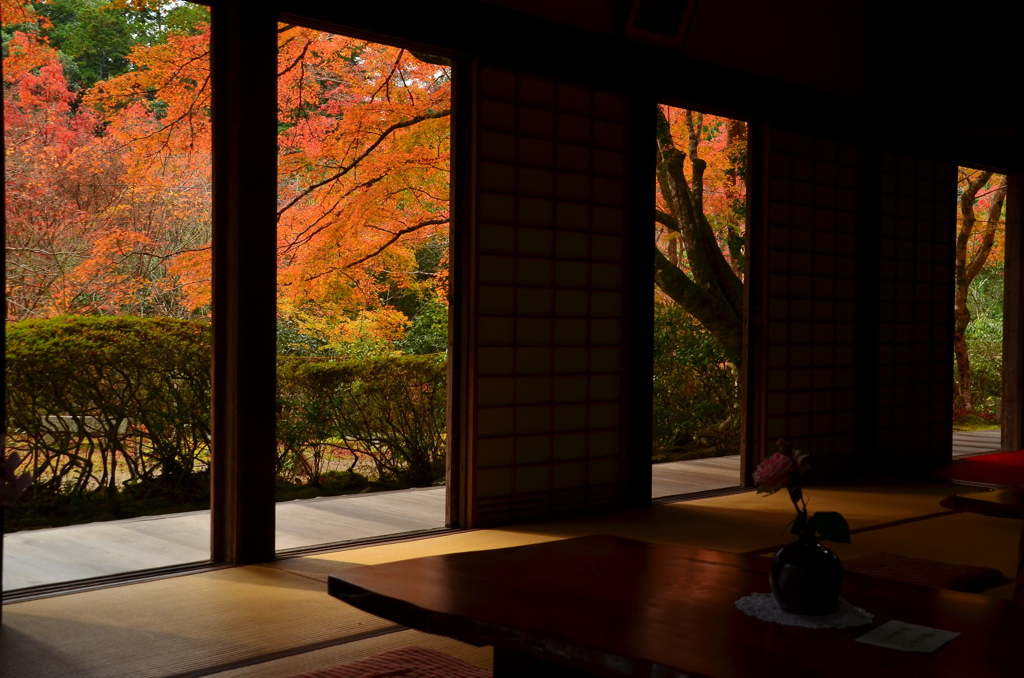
97	405
985	347
112	417
392	410
696	389
428	332
984	336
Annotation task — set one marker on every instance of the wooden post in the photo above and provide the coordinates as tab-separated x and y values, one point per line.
1012	436
638	300
244	112
752	443
460	306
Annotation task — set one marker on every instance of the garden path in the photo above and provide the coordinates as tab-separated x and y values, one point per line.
969	443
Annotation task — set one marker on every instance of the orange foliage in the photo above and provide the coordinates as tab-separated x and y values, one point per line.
724	187
93	216
18	12
114	200
995	188
50	168
363	166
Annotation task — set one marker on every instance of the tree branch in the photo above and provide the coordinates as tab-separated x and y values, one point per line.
710	311
369	149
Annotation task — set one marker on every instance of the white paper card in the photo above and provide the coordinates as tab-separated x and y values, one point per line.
908	637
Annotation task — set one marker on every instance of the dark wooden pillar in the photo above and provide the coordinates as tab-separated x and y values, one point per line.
638	296
1013	320
752	374
244	71
461	296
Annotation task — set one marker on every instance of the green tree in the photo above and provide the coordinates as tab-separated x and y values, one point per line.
96	36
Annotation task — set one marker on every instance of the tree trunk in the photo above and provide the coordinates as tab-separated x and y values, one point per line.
710	288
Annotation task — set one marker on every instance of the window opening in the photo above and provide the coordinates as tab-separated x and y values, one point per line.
978	311
108	213
363	212
700	264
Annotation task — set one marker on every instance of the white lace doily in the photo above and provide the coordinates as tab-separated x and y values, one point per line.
764	607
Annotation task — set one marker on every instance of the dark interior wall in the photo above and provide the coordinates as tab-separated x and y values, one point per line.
547	250
916	239
857	292
805	42
947	79
809	290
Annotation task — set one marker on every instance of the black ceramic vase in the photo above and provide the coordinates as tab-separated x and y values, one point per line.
806	577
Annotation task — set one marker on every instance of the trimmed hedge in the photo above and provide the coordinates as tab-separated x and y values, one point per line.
392	410
99	403
112	417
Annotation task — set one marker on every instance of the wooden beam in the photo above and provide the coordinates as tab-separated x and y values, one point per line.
244	111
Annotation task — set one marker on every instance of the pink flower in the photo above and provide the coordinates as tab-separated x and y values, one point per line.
774	473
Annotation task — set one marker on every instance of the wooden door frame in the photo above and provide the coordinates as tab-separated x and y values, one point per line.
1012	424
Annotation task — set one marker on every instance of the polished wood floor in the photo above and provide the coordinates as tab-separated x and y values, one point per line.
38	557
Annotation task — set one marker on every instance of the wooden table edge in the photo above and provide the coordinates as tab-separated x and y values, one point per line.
481	634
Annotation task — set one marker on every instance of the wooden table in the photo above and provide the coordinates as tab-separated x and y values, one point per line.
607	606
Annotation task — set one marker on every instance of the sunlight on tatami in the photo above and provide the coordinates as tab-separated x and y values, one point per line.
276	620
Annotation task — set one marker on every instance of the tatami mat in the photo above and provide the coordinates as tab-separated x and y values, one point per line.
229	620
737	523
961	538
173	626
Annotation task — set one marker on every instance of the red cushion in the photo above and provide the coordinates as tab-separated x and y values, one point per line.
925	572
407	662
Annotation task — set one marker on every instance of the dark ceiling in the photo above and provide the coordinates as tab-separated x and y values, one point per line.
902	73
909	68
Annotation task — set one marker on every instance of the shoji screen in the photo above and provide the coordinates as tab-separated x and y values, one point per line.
915	332
809	378
545	396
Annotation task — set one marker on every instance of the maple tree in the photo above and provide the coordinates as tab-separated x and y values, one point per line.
157	117
699	251
93	220
363	179
980	227
363	168
16	12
